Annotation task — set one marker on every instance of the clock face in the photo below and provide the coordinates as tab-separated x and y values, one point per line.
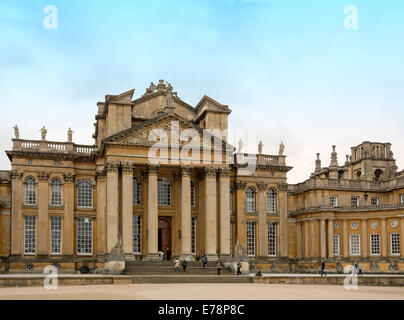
335	225
374	225
394	223
354	225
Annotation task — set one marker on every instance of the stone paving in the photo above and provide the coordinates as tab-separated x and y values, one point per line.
203	291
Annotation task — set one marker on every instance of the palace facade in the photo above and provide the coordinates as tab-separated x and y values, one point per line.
161	175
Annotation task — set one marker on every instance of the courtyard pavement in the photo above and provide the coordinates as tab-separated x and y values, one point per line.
203	291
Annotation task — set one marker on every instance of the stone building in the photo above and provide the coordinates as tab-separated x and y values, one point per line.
161	175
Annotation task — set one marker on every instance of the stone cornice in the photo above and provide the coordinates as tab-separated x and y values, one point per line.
50	156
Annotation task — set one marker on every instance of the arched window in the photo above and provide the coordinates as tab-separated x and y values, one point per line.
85	194
137	191
56	192
30	192
271	200
192	194
164	192
250	200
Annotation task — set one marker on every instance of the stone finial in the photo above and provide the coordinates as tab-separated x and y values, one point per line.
240	145
347	159
43	133
70	135
281	148
334	158
260	146
161	86
16	132
318	163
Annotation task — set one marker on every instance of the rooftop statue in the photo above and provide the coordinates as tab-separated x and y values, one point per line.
70	135
240	145
43	133
281	148
16	132
260	146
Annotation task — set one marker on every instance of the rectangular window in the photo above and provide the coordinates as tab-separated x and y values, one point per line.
84	236
251	238
402	198
231	202
271	239
374	201
337	246
355	245
29	235
193	236
56	235
374	244
395	244
137	234
334	201
355	201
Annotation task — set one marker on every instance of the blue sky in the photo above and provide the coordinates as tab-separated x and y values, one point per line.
288	69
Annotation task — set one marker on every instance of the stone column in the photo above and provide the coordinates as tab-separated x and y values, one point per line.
402	237
306	239
312	236
186	213
152	215
68	219
127	209
323	240
365	251
17	228
262	221
224	198
283	220
241	228
384	238
330	238
210	213
112	205
345	239
299	254
43	205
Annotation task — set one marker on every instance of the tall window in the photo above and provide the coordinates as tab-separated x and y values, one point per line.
164	192
355	244
402	198
29	235
136	191
271	239
85	194
375	244
336	245
56	235
56	192
374	201
250	200
355	201
251	238
137	234
231	201
84	236
334	201
30	192
192	194
231	238
193	236
271	200
395	244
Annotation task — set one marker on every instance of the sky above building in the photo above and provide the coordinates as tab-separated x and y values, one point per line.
290	69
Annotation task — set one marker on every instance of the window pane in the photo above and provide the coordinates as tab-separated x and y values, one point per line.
336	245
193	236
250	200
395	243
85	194
271	200
29	234
355	244
272	239
30	192
56	235
164	192
56	192
84	236
374	244
251	238
136	191
137	234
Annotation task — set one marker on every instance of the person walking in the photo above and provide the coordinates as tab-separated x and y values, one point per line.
239	268
360	270
354	271
161	254
168	252
219	268
184	265
322	269
204	261
177	265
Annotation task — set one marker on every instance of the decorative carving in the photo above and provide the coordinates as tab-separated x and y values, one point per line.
260	146
281	148
282	187
393	266
43	176
111	166
354	225
127	166
153	169
318	163
335	225
100	175
70	135
185	171
334	157
169	98
374	224
240	185
43	133
374	267
262	186
69	177
209	171
224	172
394	223
16	175
16	132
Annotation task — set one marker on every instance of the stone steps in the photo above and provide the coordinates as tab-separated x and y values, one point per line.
191	279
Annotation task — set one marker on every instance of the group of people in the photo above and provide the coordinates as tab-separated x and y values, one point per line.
356	269
184	264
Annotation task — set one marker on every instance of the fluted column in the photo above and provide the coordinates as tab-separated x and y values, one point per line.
262	221
283	220
43	205
210	212
345	240
17	197
186	213
365	251
224	198
323	240
384	238
152	218
112	205
101	227
299	254
68	219
330	238
127	208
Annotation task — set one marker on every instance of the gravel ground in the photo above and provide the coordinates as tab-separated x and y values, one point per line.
204	291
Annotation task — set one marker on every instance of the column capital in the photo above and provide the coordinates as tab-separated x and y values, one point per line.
127	166
16	175
153	169
282	187
69	177
209	172
185	171
262	186
100	175
43	176
240	185
111	166
224	172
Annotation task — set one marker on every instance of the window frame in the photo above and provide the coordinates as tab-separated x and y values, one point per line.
374	245
91	234
336	201
377	201
137	191
51	240
336	239
273	239
52	185
160	202
193	235
271	192
193	198
137	226
27	185
399	243
355	201
250	200
351	247
251	239
33	234
79	184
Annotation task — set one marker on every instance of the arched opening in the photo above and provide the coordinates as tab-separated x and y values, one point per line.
378	174
164	234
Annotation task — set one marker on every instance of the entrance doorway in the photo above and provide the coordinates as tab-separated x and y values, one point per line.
164	241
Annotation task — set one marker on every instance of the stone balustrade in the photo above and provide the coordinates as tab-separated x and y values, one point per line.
258	159
52	147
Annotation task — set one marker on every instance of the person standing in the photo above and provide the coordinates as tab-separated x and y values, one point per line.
177	265
184	265
204	261
322	269
360	270
219	268
239	268
168	252
354	271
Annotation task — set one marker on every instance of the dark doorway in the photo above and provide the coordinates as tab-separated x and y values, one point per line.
164	240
